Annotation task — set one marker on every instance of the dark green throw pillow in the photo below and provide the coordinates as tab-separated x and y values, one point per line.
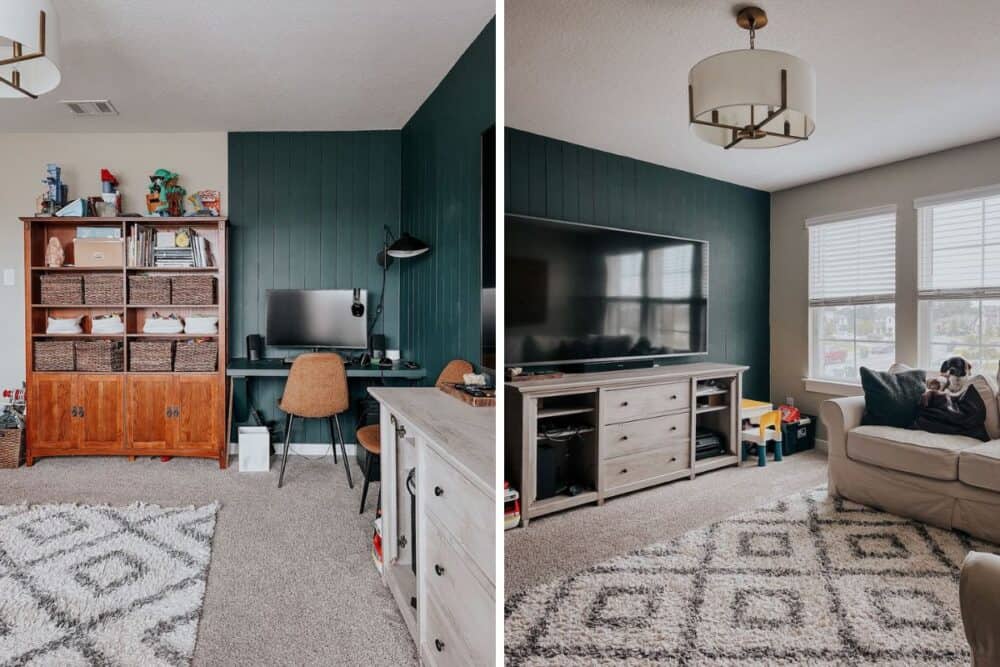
891	399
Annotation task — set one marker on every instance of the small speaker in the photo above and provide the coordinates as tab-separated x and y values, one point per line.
378	345
255	347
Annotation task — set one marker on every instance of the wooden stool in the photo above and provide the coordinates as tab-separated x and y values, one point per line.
370	438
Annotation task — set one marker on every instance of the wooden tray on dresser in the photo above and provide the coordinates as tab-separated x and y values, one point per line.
489	401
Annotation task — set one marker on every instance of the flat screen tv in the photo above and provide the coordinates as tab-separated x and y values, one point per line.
579	293
328	318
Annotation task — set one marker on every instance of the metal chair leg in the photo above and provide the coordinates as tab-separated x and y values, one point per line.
333	442
343	450
364	489
284	454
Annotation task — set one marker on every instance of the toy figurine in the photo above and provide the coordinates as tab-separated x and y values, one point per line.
56	193
165	197
54	255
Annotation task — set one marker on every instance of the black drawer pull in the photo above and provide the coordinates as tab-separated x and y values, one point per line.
73	412
673	428
438	491
624	403
438	569
439	645
624	437
674	397
624	470
673	458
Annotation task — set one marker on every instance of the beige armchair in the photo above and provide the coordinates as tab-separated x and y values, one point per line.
979	595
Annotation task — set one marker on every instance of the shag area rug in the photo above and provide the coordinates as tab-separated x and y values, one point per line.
806	580
84	585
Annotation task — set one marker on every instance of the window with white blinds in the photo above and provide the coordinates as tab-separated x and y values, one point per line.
959	279
852	293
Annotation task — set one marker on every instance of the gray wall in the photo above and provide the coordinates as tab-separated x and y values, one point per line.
898	183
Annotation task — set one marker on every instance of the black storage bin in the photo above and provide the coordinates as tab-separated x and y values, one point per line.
799	436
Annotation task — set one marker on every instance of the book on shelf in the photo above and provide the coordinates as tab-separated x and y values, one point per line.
150	247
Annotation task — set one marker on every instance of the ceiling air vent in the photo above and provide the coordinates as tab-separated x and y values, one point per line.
91	107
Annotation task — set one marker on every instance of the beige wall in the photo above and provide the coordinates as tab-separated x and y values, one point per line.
898	183
199	158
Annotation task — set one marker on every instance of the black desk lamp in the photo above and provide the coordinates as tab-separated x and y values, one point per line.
404	247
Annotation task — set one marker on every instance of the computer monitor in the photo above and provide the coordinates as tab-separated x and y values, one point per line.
328	318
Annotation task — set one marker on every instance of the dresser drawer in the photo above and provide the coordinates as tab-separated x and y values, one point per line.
462	600
621	405
625	470
645	435
461	508
442	644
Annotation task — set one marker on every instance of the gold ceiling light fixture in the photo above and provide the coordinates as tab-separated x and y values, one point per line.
752	98
29	48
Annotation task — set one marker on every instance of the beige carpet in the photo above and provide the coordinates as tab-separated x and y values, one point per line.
290	581
555	545
802	580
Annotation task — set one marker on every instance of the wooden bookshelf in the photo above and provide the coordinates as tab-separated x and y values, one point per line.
127	413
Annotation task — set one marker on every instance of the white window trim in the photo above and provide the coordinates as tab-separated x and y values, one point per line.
833	388
851	215
984	192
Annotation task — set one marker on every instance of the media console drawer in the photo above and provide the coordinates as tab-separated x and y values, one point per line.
621	405
633	468
646	435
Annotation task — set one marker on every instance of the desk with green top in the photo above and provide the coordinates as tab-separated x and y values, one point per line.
244	370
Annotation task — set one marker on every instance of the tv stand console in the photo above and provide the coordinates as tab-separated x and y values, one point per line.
613	432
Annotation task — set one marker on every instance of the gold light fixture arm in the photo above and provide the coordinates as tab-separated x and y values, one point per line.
18	56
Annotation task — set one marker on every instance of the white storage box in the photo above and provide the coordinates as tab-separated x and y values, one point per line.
255	449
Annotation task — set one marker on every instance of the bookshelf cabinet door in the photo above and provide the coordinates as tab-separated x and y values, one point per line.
149	423
198	424
102	398
52	420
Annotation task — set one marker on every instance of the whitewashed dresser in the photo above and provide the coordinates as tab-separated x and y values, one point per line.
439	519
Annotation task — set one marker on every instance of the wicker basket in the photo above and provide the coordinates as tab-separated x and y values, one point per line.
103	289
53	355
193	290
11	447
196	356
150	355
100	356
61	289
149	290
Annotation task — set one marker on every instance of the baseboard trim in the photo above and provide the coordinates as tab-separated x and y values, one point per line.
301	448
821	445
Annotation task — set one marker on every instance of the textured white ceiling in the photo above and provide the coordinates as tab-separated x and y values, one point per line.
895	79
251	65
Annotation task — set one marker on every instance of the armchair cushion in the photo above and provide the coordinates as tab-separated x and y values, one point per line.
979	598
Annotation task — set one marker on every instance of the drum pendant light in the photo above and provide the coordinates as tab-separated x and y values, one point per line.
752	98
29	48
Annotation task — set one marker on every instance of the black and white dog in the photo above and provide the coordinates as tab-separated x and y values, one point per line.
952	381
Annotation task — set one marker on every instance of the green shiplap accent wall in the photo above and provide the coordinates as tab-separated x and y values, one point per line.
440	291
554	179
306	210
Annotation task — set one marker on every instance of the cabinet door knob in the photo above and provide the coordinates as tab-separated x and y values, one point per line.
439	645
439	570
438	491
73	412
168	412
80	412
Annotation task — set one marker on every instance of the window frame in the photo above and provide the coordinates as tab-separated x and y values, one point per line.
814	380
926	295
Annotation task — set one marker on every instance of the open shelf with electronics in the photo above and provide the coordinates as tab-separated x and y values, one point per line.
89	391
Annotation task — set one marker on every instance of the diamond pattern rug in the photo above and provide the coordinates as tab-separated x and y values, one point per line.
85	585
806	580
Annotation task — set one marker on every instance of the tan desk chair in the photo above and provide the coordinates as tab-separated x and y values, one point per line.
316	389
370	437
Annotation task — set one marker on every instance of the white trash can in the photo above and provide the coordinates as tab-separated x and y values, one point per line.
255	449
